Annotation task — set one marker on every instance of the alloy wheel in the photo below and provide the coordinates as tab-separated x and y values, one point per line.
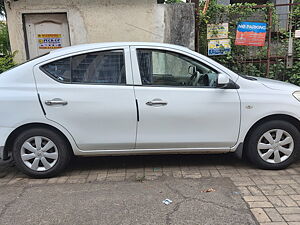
275	146
39	153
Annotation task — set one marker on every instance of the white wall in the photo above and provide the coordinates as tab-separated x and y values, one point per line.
92	20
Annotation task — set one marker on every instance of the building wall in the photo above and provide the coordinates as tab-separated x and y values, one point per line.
99	21
179	25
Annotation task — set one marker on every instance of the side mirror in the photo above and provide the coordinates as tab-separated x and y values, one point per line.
223	80
225	83
192	70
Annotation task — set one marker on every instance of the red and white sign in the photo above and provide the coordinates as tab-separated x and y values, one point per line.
251	34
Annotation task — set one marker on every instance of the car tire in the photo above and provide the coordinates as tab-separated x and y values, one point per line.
276	154
41	153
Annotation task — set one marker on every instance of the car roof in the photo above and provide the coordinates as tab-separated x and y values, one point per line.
83	47
94	46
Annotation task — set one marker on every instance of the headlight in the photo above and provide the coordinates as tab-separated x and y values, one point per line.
297	95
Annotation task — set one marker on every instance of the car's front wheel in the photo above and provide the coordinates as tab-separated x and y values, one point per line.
273	145
40	153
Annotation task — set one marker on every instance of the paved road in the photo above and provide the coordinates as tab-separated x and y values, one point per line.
273	197
133	202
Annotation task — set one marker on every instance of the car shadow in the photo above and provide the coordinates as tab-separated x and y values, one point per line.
142	163
157	162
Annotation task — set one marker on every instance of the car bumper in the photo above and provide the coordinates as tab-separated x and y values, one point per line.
4	133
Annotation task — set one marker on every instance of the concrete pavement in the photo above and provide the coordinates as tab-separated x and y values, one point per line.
272	196
126	202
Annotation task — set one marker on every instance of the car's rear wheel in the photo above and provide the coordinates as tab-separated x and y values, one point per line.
41	153
273	145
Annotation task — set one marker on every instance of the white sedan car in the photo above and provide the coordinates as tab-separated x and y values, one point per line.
141	98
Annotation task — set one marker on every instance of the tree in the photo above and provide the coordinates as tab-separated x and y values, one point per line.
2	9
6	56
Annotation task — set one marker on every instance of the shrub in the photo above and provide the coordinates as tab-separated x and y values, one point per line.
7	62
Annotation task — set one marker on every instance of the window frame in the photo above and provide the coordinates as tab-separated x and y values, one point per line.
136	68
127	63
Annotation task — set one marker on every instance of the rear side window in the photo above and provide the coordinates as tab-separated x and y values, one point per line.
59	70
106	67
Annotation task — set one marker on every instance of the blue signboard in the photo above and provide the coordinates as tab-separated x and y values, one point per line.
219	47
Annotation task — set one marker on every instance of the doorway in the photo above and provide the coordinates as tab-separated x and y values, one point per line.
45	32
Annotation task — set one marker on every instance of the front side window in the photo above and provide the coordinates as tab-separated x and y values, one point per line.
106	67
164	68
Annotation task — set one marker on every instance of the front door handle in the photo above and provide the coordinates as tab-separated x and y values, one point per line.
56	101
156	102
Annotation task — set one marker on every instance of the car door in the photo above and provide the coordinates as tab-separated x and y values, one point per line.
179	103
87	93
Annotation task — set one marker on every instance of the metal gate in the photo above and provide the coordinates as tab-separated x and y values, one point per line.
278	58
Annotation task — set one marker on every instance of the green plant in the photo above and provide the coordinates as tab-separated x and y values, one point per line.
7	62
6	56
248	59
2	8
4	39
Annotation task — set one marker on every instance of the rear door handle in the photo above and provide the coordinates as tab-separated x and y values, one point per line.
56	101
156	102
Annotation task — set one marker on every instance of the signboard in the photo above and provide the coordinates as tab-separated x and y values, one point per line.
251	33
217	31
219	47
49	41
297	33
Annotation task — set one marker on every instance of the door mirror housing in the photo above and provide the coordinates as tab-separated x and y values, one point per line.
223	80
225	83
192	70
